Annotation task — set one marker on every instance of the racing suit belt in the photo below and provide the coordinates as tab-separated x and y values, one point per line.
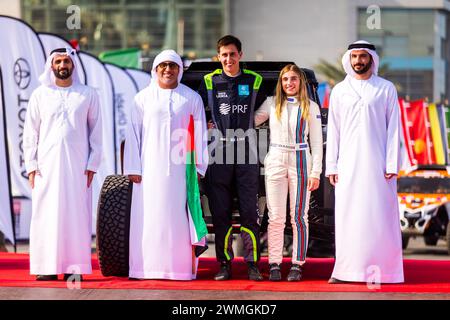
290	146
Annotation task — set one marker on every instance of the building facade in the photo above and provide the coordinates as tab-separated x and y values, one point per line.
412	35
190	27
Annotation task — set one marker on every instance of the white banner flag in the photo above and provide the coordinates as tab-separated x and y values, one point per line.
98	77
125	89
6	214
141	77
22	60
52	41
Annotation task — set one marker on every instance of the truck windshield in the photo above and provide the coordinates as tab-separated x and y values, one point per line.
423	185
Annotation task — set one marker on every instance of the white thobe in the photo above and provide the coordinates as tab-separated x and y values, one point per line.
363	145
62	139
160	240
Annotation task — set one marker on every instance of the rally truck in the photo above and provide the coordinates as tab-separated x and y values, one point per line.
424	204
113	217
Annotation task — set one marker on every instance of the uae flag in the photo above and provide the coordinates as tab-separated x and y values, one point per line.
406	145
126	58
445	120
197	224
417	132
324	94
436	134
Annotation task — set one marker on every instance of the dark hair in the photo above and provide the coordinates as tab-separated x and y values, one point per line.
227	40
59	50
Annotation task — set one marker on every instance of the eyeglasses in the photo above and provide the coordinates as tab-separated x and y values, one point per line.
164	65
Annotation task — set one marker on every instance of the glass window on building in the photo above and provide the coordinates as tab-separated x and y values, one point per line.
190	27
405	43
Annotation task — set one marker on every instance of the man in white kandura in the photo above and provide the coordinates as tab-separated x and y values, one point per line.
62	147
161	243
362	162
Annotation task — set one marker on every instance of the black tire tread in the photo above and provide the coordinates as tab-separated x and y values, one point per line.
113	226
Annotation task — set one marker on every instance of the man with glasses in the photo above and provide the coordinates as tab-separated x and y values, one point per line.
162	241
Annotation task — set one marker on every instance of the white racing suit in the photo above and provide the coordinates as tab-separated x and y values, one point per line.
295	155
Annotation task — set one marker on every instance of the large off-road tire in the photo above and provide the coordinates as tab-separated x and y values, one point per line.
113	226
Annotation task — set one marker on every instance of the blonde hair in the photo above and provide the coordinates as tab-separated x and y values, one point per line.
302	95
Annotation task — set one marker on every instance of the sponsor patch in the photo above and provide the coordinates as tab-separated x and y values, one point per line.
224	108
221	94
244	90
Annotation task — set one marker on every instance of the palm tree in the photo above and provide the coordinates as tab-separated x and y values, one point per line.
334	73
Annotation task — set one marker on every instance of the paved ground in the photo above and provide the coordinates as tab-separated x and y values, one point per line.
415	250
101	294
418	250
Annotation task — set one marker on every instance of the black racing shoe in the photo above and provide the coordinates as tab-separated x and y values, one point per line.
46	277
253	272
275	272
295	274
73	277
224	273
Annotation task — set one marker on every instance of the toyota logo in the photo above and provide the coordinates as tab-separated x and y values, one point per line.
22	74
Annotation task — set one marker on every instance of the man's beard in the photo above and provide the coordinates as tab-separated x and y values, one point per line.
364	70
63	74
